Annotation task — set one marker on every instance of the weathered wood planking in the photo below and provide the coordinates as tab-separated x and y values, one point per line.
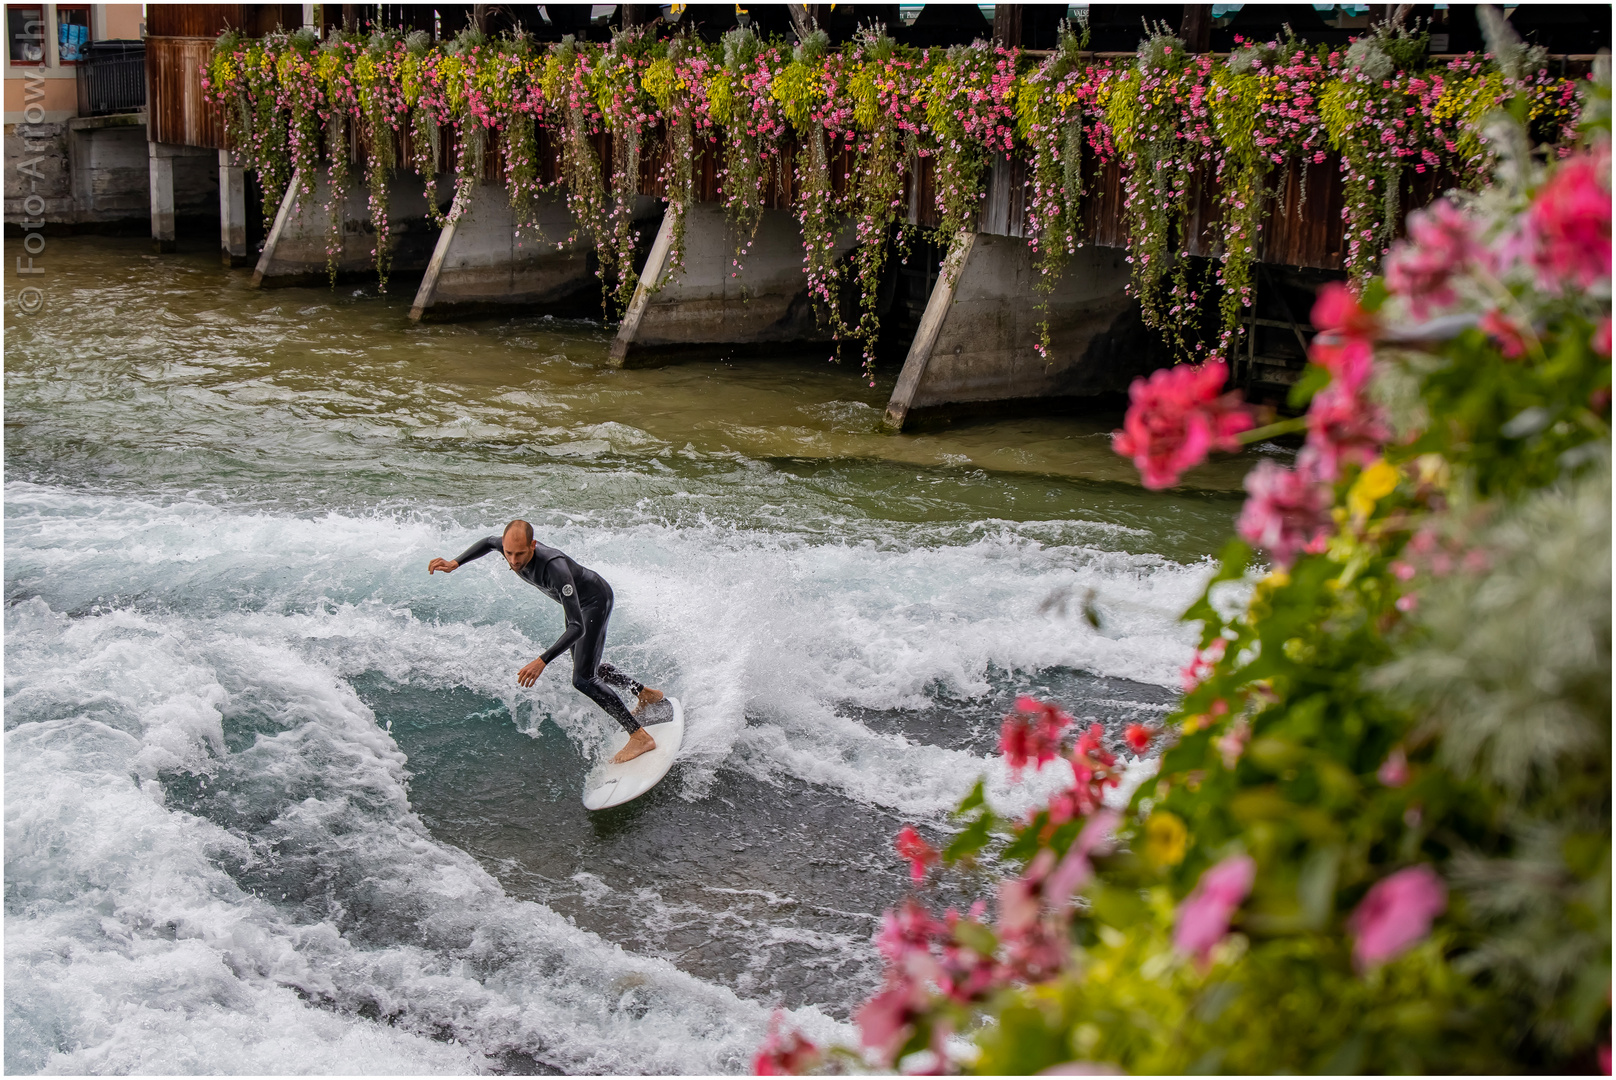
176	112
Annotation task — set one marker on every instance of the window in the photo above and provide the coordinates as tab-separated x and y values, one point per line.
25	33
72	32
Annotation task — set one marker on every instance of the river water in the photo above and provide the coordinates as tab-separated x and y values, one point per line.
274	802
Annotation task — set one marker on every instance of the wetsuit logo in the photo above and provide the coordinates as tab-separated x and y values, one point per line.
566	590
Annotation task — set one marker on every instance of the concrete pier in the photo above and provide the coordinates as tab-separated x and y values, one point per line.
762	303
232	211
160	164
295	250
481	263
974	350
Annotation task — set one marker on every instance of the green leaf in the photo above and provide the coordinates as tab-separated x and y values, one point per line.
1314	379
973	800
971	839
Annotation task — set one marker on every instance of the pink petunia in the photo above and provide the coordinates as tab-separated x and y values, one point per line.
1441	245
1177	417
1344	346
1287	513
1395	913
1570	218
1343	428
1203	917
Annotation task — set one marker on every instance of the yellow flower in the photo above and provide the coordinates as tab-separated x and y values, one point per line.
1166	838
1377	481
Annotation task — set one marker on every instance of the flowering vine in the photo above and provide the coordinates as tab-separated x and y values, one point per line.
841	135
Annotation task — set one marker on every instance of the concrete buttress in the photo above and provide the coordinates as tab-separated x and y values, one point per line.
295	250
975	346
762	302
482	262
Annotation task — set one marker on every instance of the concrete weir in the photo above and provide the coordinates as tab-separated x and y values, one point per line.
975	344
712	302
295	250
481	261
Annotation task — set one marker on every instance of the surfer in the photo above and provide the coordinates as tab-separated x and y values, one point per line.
587	601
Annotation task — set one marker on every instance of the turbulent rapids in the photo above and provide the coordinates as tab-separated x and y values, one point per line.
274	801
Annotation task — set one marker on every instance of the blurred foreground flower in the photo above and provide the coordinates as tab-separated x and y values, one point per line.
1396	913
784	1053
1203	917
1177	417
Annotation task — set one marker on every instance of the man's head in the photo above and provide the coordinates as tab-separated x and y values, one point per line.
517	543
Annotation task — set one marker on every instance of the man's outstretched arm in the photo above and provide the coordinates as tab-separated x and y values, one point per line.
475	551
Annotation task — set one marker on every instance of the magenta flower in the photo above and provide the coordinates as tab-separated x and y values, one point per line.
914	849
1393	772
784	1052
1505	334
1343	427
1031	733
1441	245
1203	917
1344	346
1396	913
1571	219
1176	418
1288	512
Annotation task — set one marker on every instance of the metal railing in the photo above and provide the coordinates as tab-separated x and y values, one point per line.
112	78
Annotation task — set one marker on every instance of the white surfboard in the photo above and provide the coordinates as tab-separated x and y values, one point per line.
613	785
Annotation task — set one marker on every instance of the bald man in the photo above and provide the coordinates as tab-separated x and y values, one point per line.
587	601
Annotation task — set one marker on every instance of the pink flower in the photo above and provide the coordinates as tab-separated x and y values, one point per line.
1035	947
1092	770
1600	342
1343	427
884	1021
1393	772
1344	346
1075	869
1336	310
1177	417
1031	733
784	1053
1508	336
1288	512
1200	668
1571	220
916	851
1203	917
1441	244
1396	913
1138	737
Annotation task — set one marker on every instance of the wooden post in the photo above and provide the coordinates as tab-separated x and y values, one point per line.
1196	29
1007	26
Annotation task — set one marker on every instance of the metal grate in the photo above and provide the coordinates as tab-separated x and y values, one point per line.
112	78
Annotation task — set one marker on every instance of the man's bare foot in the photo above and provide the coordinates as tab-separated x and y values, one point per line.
648	696
638	743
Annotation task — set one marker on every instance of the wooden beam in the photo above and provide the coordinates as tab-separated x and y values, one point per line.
1196	27
1007	25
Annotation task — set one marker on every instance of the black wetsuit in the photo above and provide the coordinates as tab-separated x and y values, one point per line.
587	601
